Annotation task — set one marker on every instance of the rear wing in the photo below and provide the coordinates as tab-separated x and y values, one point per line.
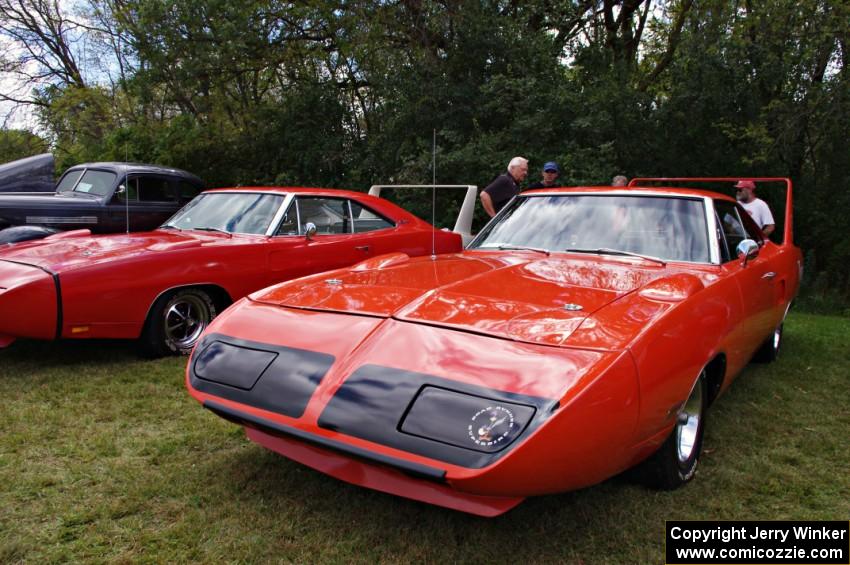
463	224
788	234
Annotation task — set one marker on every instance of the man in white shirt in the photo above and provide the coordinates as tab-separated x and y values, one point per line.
756	207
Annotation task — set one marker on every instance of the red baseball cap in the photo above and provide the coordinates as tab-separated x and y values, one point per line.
746	184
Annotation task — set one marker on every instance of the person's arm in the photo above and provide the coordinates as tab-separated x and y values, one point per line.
487	203
767	221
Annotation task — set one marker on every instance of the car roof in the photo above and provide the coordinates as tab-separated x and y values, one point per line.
330	192
124	168
626	191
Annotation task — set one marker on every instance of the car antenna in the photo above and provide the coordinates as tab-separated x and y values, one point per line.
126	192
434	196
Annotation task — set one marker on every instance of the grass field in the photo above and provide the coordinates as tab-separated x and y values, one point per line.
104	457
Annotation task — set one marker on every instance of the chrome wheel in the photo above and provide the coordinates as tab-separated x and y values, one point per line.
184	319
688	425
777	337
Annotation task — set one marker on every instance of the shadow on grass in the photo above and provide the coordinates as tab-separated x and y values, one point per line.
70	352
265	486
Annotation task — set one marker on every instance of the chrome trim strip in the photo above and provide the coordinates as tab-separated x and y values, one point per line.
273	225
61	219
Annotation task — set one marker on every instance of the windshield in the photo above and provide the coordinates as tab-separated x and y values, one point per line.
68	180
669	228
229	212
98	183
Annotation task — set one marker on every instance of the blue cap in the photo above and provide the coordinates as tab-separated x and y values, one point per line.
551	166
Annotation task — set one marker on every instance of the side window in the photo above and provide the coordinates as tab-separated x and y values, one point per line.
753	231
733	222
289	222
131	191
363	219
154	189
330	215
187	191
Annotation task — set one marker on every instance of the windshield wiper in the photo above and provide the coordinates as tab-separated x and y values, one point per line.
607	251
169	227
505	247
217	230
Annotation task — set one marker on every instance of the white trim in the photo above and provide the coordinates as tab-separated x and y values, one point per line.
287	198
463	224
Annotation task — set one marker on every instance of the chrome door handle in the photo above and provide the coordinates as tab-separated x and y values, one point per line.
363	248
768	276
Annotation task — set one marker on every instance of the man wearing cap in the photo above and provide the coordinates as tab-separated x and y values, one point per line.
504	187
550	176
755	207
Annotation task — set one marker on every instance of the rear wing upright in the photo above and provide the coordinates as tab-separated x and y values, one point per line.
463	224
787	236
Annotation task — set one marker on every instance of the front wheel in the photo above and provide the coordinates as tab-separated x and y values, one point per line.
675	462
176	321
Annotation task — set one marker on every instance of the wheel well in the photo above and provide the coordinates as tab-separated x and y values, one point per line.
219	296
716	372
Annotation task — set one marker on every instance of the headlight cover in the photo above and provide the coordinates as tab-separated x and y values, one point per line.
472	422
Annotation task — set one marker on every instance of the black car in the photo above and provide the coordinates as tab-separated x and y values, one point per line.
102	197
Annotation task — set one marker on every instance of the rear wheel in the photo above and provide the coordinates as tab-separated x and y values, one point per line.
675	462
769	350
176	321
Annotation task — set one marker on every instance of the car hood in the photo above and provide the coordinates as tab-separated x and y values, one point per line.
520	296
65	251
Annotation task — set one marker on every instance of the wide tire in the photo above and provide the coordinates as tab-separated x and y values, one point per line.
768	352
176	321
675	463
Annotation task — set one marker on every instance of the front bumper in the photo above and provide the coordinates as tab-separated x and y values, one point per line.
392	476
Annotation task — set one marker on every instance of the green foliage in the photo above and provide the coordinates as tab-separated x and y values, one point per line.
17	144
349	94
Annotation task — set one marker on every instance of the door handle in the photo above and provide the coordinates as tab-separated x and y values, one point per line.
363	248
768	276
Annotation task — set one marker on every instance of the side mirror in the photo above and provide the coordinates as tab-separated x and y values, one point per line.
747	250
310	230
121	189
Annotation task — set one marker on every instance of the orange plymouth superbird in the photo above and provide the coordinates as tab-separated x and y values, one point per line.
583	332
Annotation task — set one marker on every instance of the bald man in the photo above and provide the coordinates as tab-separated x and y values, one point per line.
504	187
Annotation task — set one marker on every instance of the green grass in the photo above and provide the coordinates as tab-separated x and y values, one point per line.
105	458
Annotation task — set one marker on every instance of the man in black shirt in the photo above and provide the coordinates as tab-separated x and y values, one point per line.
504	187
551	171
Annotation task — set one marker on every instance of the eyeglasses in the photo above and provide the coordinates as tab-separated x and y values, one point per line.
550	171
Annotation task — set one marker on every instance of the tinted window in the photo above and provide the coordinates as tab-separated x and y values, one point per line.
671	228
148	189
363	219
231	212
154	189
96	182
